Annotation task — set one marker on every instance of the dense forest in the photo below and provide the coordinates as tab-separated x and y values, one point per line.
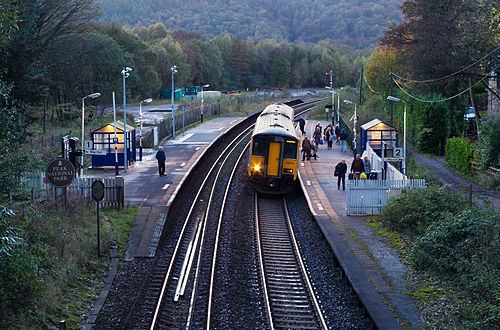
357	23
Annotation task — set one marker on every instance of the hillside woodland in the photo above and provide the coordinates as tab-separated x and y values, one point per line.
357	23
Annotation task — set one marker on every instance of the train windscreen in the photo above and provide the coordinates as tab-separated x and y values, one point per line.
290	149
259	146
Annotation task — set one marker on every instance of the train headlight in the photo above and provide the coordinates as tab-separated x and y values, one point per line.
287	170
257	167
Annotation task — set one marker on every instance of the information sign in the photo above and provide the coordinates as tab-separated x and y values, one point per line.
398	152
60	172
97	190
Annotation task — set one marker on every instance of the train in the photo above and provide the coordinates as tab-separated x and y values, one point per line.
274	150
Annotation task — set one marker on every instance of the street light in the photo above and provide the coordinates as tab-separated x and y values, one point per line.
125	74
355	119
204	86
90	96
140	127
174	70
395	99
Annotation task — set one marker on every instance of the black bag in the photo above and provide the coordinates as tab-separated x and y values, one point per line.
336	172
351	176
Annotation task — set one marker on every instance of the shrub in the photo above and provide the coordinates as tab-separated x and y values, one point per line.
489	144
459	153
415	209
464	248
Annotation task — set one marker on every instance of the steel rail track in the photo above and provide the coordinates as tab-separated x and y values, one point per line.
289	296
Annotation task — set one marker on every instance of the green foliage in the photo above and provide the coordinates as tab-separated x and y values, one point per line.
489	144
464	248
357	23
8	235
459	153
434	126
412	211
12	134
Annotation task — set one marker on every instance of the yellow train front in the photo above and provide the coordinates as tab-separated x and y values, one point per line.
274	150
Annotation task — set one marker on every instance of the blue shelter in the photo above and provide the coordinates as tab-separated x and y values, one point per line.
103	152
375	132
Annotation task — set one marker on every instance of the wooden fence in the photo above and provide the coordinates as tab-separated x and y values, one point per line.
38	188
365	197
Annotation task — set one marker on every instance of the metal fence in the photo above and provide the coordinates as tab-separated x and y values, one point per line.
38	188
365	197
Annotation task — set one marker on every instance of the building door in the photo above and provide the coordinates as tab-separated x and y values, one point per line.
273	161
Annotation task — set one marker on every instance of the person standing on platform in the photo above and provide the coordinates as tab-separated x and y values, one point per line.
306	149
318	125
329	136
343	138
302	124
368	166
357	167
337	134
160	156
317	136
340	171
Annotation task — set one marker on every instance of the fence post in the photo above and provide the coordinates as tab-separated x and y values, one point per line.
120	191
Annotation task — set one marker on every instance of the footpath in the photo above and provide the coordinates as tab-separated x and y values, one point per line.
374	268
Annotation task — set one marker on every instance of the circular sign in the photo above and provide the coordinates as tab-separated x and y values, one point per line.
97	190
115	140
60	172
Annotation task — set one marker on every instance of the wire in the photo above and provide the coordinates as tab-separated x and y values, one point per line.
442	100
367	84
448	76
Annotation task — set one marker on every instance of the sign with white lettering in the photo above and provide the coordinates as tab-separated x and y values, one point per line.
96	152
60	172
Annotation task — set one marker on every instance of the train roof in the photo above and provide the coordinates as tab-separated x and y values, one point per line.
276	119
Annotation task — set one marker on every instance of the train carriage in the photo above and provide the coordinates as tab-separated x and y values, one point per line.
274	150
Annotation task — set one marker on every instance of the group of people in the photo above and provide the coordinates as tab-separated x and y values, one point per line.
360	168
331	134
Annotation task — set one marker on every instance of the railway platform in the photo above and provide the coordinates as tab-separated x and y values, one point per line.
373	268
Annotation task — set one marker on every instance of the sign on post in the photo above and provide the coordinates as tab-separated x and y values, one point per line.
60	172
398	152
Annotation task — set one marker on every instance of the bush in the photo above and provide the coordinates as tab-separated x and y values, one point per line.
459	154
489	144
464	248
415	209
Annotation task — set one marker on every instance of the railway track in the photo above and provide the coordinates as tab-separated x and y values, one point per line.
290	298
177	292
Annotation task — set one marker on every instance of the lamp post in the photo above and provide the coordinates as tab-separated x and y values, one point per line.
174	70
395	99
90	96
355	119
204	86
140	127
125	74
333	101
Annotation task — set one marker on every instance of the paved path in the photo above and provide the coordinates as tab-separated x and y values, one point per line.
379	262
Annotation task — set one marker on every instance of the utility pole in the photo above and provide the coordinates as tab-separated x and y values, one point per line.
476	111
361	85
392	123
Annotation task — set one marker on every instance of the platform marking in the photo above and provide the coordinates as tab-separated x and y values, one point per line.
308	182
166	186
157	234
197	148
183	164
302	164
320	207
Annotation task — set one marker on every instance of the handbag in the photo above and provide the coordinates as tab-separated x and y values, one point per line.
320	141
336	173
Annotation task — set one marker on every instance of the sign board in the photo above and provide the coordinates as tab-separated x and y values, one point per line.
60	172
115	140
398	152
89	144
97	190
392	159
96	152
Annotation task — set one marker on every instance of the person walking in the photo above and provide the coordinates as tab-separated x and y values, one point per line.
367	166
302	124
337	134
318	125
343	138
340	171
317	136
329	136
306	149
160	156
357	167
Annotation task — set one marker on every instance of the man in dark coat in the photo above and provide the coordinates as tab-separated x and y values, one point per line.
160	156
306	149
340	171
337	133
302	124
343	138
357	167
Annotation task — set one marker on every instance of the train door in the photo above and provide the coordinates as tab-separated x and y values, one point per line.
273	161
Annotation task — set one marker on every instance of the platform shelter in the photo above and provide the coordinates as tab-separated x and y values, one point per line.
103	152
374	132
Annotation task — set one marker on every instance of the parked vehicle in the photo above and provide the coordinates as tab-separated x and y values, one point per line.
470	114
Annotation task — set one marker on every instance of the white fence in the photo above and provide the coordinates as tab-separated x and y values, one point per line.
376	163
366	197
37	186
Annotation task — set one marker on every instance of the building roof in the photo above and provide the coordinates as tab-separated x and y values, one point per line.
377	125
110	128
